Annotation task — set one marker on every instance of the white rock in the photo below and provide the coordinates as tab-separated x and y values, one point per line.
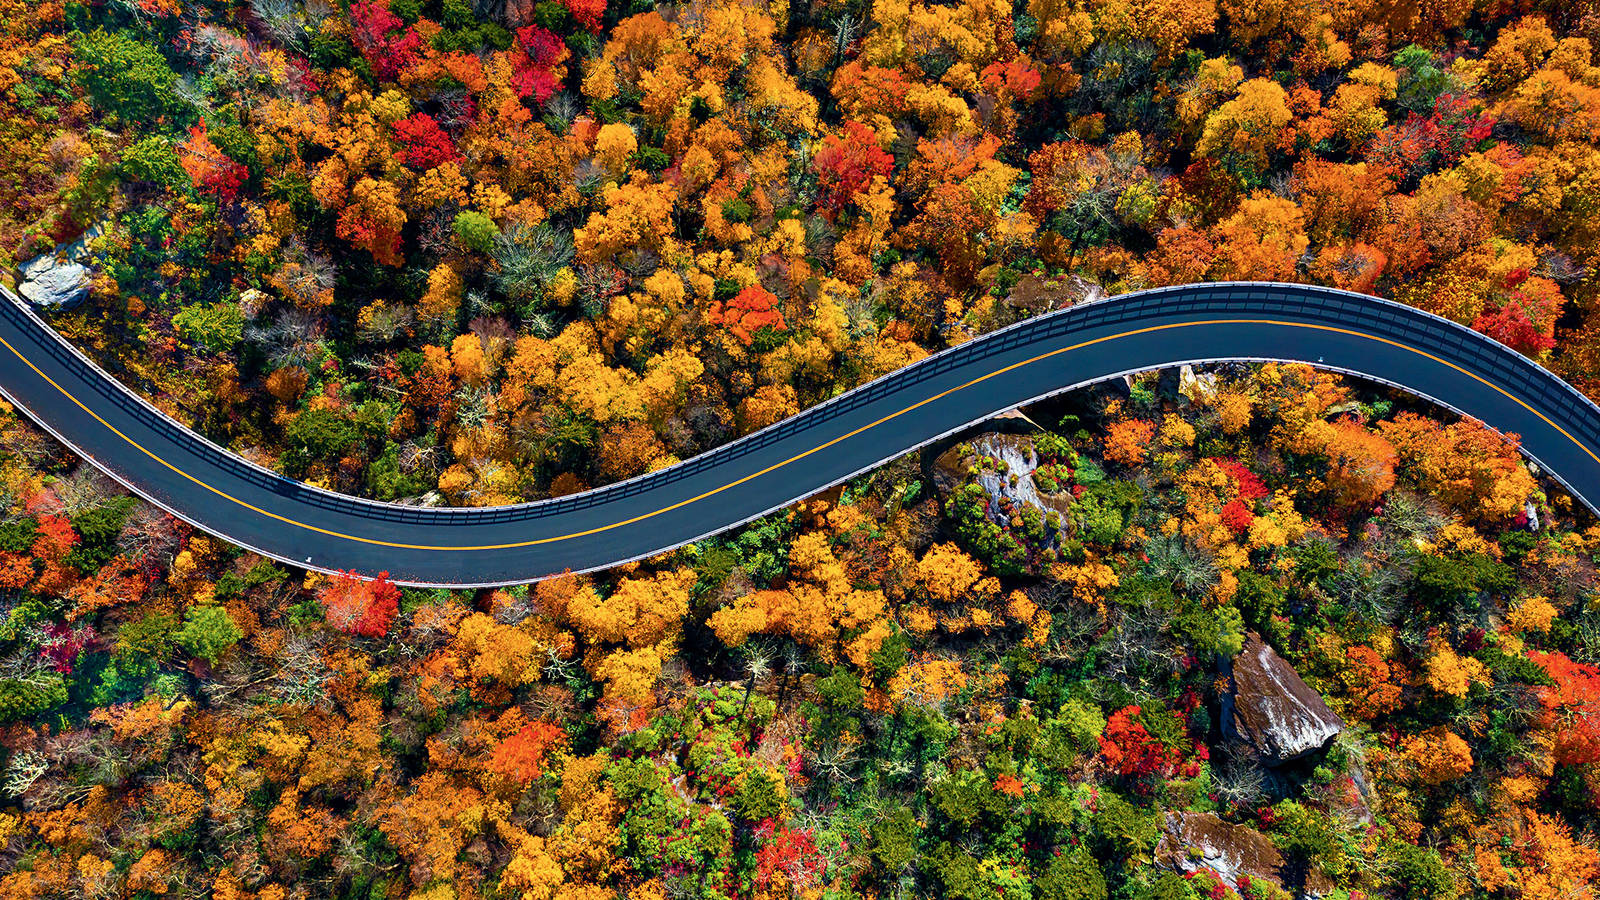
52	282
61	278
1196	387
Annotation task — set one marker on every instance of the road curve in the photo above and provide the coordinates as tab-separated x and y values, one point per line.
247	505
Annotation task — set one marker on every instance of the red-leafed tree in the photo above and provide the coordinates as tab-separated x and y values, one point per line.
1452	130
212	171
423	143
520	757
1249	484
789	854
1511	326
1131	749
1527	321
383	38
357	606
587	13
1237	516
1571	708
63	643
536	56
847	163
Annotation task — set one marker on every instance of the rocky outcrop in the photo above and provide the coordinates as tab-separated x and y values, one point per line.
1196	387
51	282
429	499
1033	294
1193	841
1357	801
1271	711
1009	484
997	495
59	279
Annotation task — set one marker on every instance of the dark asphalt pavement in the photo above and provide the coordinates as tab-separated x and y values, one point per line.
822	446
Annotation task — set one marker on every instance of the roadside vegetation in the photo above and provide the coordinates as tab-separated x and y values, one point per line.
478	251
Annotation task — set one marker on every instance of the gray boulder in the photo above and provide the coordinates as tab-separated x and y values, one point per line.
50	282
1271	711
59	279
1192	841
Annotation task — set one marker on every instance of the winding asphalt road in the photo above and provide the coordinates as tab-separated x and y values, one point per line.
275	516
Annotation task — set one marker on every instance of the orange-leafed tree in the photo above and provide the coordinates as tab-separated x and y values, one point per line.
54	542
1438	755
748	313
1262	241
1552	864
117	583
1360	465
1371	683
521	757
1182	255
373	220
1467	464
955	223
1128	441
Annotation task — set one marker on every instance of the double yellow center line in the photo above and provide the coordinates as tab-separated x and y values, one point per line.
797	457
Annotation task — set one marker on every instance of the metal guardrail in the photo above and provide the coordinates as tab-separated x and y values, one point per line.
1325	306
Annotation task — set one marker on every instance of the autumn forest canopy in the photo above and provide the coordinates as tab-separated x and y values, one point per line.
1238	632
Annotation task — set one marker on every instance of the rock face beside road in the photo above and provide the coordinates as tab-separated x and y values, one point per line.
1192	841
59	279
1271	711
